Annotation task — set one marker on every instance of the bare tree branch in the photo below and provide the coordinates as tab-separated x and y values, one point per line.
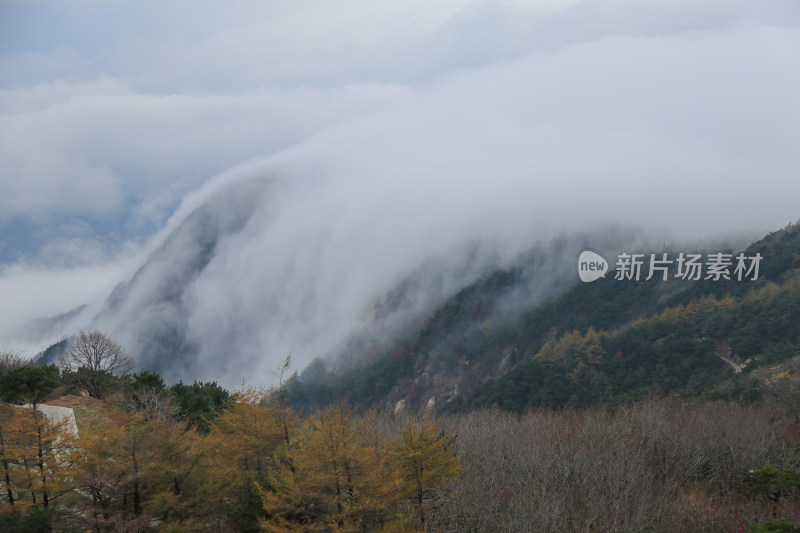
11	360
98	356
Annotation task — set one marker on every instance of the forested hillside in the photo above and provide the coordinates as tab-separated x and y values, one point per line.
610	341
148	457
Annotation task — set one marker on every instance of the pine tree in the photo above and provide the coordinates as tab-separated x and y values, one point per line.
427	461
28	384
340	479
244	445
174	473
38	460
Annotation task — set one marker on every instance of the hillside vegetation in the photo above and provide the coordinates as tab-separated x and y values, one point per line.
606	342
616	406
257	465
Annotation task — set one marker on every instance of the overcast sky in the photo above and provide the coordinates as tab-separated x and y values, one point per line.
423	124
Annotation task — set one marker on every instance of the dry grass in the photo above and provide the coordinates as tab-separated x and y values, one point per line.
89	412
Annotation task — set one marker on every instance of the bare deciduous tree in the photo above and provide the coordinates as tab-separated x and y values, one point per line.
10	360
154	404
661	464
94	357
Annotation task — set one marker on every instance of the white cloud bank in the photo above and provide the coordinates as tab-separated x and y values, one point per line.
396	132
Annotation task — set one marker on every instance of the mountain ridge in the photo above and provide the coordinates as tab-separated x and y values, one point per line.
603	342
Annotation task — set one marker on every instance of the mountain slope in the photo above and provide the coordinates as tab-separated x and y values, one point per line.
607	341
150	312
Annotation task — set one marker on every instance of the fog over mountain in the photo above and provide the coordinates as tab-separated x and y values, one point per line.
220	186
